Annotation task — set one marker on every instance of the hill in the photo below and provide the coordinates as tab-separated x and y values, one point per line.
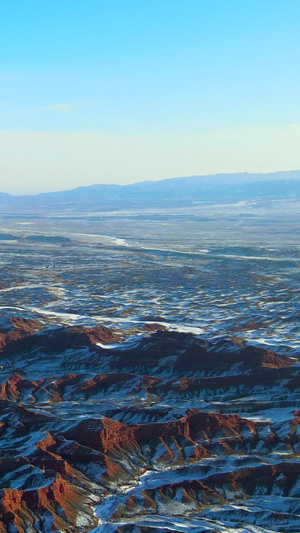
184	191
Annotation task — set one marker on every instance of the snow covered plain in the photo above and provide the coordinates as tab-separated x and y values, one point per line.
182	412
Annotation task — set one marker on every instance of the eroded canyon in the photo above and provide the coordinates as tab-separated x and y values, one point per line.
150	374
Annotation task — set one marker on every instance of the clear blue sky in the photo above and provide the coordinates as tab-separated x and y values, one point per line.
147	84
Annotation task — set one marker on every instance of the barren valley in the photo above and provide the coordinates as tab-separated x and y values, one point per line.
150	370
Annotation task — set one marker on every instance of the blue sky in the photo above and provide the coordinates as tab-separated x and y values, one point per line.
121	91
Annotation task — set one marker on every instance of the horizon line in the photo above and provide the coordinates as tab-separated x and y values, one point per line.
104	184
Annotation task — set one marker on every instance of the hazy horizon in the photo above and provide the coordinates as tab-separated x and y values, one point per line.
126	92
60	189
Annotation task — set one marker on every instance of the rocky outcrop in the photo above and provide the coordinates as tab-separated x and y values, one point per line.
174	427
22	337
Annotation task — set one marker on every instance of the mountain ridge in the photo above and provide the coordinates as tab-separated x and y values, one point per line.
203	178
171	192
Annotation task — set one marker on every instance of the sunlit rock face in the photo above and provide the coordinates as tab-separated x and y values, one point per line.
164	431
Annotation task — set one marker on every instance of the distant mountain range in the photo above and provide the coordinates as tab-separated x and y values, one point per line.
185	191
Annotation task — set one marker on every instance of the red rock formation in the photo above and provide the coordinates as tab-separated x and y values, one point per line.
22	327
49	341
66	503
84	455
14	386
27	325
